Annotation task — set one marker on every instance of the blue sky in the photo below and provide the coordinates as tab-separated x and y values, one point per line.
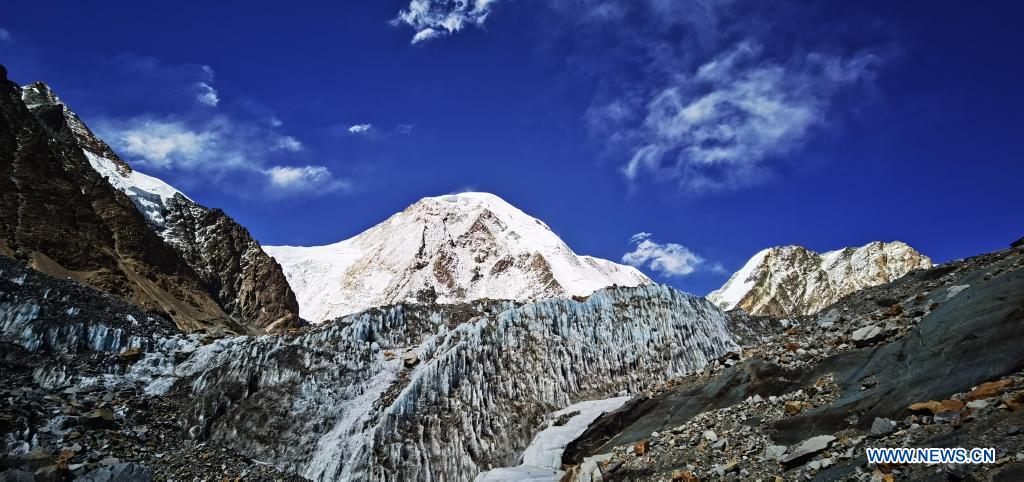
719	127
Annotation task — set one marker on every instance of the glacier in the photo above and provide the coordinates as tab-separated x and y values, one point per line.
342	404
403	392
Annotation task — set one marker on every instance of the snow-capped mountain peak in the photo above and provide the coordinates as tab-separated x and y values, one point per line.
462	246
793	280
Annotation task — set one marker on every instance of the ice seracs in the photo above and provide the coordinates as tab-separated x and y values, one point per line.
793	280
462	247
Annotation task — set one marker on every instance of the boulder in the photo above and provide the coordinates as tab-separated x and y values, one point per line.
38	458
410	359
867	335
806	450
882	426
774	452
988	389
101	418
131	355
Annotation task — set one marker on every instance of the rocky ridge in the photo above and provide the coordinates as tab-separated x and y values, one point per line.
792	280
195	264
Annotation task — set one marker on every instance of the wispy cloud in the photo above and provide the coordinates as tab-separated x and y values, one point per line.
708	96
191	134
206	94
5	35
305	179
669	259
289	143
220	148
360	128
434	18
720	127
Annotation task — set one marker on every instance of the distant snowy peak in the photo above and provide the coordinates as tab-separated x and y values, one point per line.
463	247
793	280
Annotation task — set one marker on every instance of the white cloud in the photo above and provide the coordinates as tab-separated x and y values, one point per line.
304	179
161	144
218	149
434	18
360	128
709	95
289	143
405	129
5	35
669	259
206	94
722	126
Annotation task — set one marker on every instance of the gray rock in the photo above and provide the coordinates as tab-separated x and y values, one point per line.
710	436
101	418
867	335
410	358
807	449
128	472
37	459
882	426
774	452
15	475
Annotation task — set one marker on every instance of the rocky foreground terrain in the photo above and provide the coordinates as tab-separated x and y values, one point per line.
934	359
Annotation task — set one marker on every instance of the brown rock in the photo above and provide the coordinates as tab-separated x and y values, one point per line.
1015	401
989	389
131	355
937	407
641	447
792	346
794	407
952	405
684	476
894	310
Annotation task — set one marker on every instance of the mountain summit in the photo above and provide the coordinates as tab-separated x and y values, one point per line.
793	280
456	247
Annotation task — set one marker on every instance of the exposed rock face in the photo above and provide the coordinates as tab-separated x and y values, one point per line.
58	212
792	280
221	276
463	247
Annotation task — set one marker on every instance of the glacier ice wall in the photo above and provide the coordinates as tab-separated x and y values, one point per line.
340	402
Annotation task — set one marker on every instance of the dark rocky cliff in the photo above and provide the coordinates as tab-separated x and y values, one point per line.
58	213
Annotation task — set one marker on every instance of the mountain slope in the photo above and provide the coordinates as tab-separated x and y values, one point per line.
59	212
793	280
247	283
463	247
